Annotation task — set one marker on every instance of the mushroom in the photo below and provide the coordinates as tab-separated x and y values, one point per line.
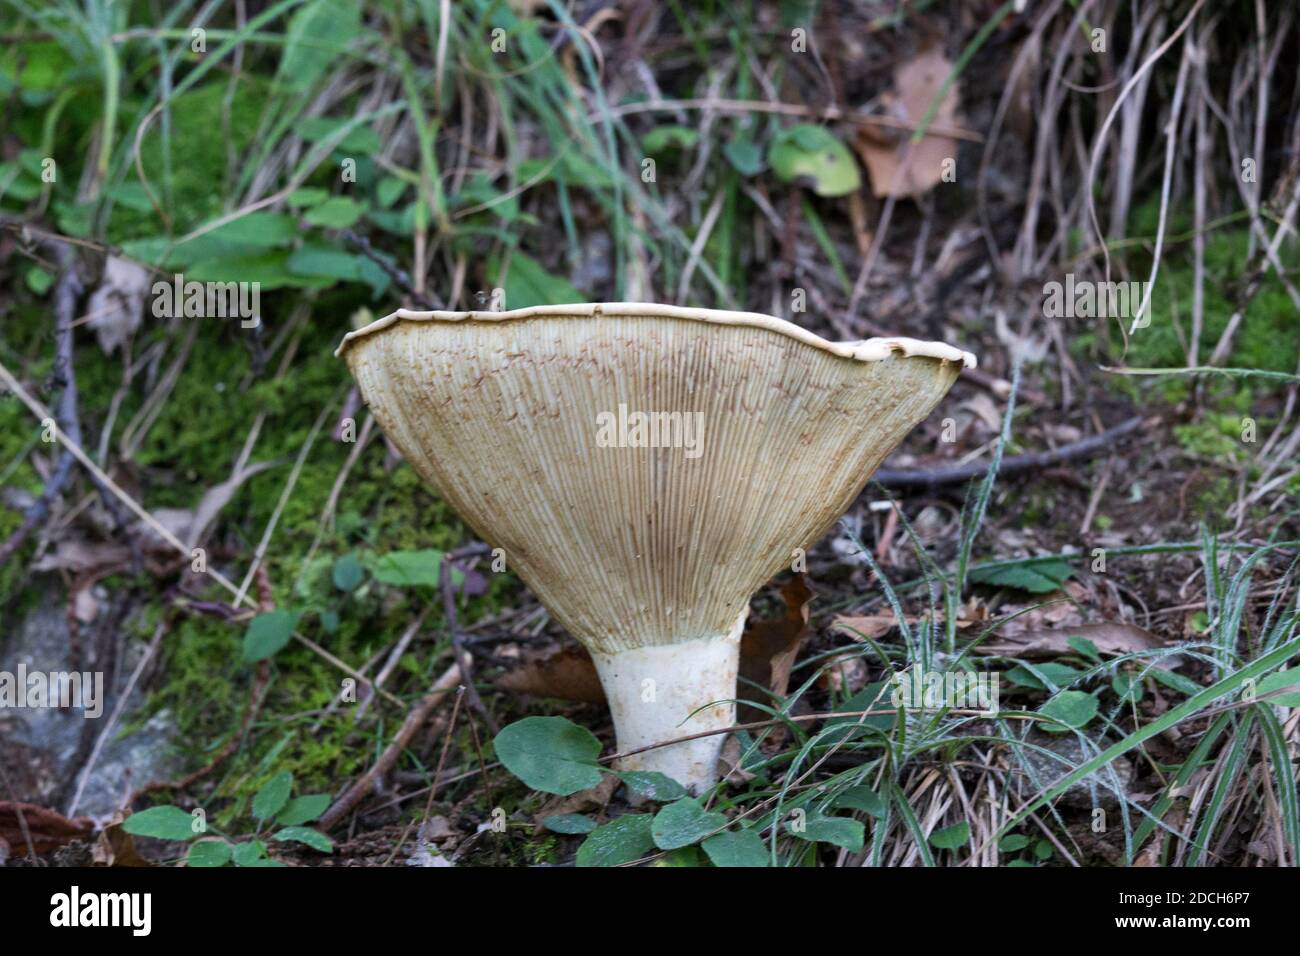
646	468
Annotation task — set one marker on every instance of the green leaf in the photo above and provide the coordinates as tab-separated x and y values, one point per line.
252	853
569	823
161	823
270	269
360	139
1013	842
861	798
951	838
1085	647
307	196
812	153
301	810
316	261
1037	577
684	822
329	621
348	573
1043	850
208	853
550	754
273	796
318	33
649	783
663	138
312	838
1072	709
737	848
258	229
410	568
619	841
745	156
1281	680
844	832
38	280
527	283
682	856
389	190
337	212
267	633
1127	686
1061	675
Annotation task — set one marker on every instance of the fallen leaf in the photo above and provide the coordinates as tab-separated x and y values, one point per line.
897	166
48	829
1109	637
115	847
768	649
567	674
117	305
83	557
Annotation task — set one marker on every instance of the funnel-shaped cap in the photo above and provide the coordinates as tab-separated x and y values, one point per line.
645	468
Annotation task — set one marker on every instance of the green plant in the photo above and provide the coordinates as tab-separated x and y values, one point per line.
277	815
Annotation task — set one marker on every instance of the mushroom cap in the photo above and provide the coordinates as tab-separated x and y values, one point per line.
755	436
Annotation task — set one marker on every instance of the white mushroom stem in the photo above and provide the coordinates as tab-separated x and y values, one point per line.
664	691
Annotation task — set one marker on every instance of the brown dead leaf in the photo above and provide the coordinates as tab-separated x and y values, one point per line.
83	557
729	762
48	829
1109	637
768	649
116	307
115	847
567	674
897	166
864	627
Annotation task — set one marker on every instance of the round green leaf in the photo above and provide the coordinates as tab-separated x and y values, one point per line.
843	832
252	853
569	823
1071	709
313	838
812	153
208	853
1013	842
620	841
745	156
683	823
348	572
301	810
161	823
951	838
267	633
737	848
550	754
650	783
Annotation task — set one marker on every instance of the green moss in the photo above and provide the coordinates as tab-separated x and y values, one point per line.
1268	337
